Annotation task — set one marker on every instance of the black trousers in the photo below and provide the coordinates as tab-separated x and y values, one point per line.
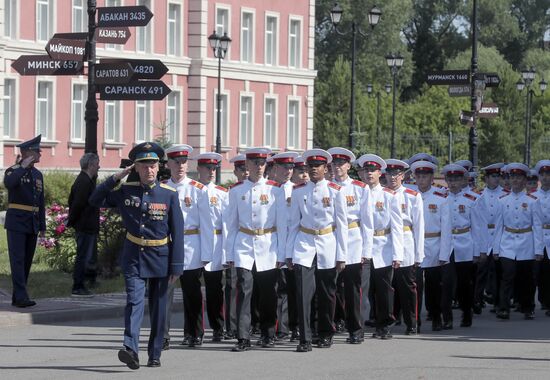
465	271
230	296
405	282
383	293
366	304
213	283
483	276
432	288
86	244
526	285
255	301
419	294
192	302
448	287
340	307
287	320
352	290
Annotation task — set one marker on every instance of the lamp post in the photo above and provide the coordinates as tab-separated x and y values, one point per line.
378	94
219	45
394	62
528	76
336	17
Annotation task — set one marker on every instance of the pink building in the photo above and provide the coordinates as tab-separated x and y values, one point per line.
267	79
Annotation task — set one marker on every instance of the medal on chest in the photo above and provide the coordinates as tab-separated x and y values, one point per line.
157	211
524	206
213	201
132	202
38	184
264	199
350	200
461	209
187	201
326	201
379	206
432	208
404	207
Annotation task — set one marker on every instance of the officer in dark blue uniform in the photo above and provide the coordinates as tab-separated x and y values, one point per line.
25	217
153	249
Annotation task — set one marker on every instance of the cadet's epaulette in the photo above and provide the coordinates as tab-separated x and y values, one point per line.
502	196
334	185
298	186
477	191
440	194
235	185
470	196
225	190
506	190
198	185
272	183
165	186
387	190
532	196
131	184
359	183
411	191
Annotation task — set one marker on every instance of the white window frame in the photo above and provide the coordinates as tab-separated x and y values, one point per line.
11	16
148	127
82	111
226	125
13	114
50	130
144	30
179	22
50	21
274	117
275	37
116	3
298	63
83	18
251	12
298	100
117	128
226	8
177	109
247	143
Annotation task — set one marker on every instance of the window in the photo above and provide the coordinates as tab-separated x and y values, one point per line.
224	126
247	37
143	120
174	29
44	110
245	129
78	126
10	18
115	3
173	117
80	16
293	132
222	21
143	33
112	121
270	123
44	20
294	40
271	40
9	108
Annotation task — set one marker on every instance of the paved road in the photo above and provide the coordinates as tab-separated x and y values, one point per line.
87	350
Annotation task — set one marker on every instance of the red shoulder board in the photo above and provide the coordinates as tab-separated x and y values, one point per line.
359	183
507	190
502	196
273	183
298	186
198	185
440	194
222	188
334	186
532	196
477	191
470	196
411	191
388	190
235	184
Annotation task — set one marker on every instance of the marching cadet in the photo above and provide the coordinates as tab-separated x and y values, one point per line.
504	178
240	171
191	195
469	232
543	194
213	234
532	181
287	319
256	232
25	217
316	247
518	243
299	174
383	242
412	212
153	248
354	192
437	243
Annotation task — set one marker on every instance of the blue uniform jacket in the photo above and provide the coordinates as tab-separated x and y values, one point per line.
25	187
148	212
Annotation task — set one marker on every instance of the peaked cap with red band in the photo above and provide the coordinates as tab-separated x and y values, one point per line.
317	155
341	153
493	168
285	158
423	166
371	160
395	164
209	158
257	153
239	159
179	150
454	169
542	165
517	168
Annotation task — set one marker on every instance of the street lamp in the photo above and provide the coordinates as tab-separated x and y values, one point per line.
336	17
394	62
219	45
528	76
378	94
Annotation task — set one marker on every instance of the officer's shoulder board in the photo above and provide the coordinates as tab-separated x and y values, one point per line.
359	183
505	195
530	195
387	190
13	167
165	186
298	186
272	183
235	184
225	190
442	195
411	192
334	186
470	197
507	190
131	184
198	185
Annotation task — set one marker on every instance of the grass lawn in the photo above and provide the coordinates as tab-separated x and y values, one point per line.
45	282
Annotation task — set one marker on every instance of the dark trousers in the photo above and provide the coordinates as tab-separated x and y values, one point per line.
255	301
192	302
320	283
526	285
133	313
366	301
482	278
383	293
432	288
21	248
405	283
86	244
465	287
230	295
448	287
286	302
419	279
340	307
543	280
168	314
213	283
352	290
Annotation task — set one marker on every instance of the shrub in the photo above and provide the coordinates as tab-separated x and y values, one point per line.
57	187
110	240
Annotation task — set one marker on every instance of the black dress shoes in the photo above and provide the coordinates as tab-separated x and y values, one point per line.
325	342
530	315
165	344
478	307
242	345
228	335
23	303
294	336
355	339
437	326
129	357
195	342
304	347
370	323
448	325
411	331
268	342
217	336
153	363
503	314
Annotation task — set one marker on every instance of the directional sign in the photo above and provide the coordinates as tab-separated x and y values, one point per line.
143	68
136	90
488	111
491	79
466	117
113	73
45	65
112	35
461	90
66	49
138	15
449	77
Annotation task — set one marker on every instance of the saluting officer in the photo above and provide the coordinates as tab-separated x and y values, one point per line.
153	249
383	243
354	192
543	195
518	242
256	232
316	247
25	217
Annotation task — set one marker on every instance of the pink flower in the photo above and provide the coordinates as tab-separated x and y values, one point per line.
60	229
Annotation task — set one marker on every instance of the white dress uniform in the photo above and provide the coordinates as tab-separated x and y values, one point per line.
489	199
412	211
544	266
437	228
216	202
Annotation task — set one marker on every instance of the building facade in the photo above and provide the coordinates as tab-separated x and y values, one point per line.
266	87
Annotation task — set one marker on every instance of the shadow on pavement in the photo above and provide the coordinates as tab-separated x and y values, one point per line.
499	358
95	369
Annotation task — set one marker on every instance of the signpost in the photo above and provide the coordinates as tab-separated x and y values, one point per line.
136	90
45	65
138	15
66	49
491	79
488	111
460	90
113	73
143	68
112	35
448	77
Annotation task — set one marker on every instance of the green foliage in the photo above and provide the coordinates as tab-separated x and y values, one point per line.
57	187
110	241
